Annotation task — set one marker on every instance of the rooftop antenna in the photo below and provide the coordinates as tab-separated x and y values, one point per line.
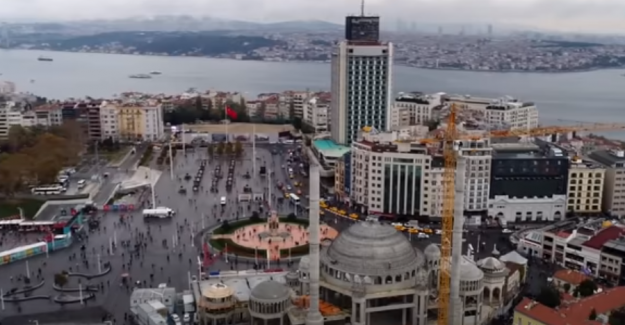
362	8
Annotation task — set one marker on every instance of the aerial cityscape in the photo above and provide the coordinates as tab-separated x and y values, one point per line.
357	203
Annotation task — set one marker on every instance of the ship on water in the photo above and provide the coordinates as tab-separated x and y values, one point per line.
155	72
140	76
46	59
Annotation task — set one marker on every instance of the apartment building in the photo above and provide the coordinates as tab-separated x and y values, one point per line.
613	199
109	120
298	99
316	113
46	115
413	109
21	113
585	187
7	88
612	265
477	177
140	121
528	182
500	113
387	176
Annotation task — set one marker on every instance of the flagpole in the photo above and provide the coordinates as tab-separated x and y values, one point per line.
254	149
227	122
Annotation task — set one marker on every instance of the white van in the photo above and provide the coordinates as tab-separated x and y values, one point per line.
81	184
223	200
160	212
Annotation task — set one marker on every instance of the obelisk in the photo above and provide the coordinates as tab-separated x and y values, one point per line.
314	317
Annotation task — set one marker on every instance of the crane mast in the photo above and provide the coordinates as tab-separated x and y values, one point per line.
451	145
447	218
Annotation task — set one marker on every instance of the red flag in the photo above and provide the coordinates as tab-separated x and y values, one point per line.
231	113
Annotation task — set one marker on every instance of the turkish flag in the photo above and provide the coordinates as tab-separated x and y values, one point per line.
231	113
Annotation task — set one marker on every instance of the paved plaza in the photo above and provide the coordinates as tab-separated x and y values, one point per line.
145	249
156	262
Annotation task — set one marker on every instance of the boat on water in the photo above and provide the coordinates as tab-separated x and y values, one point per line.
140	76
155	72
46	59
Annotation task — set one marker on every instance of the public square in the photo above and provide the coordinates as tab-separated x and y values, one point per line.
154	251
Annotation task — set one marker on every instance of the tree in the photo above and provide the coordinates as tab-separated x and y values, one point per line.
229	149
593	314
220	148
586	288
297	123
60	279
292	110
566	287
549	296
238	148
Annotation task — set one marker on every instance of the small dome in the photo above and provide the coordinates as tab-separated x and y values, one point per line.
370	248
469	271
432	250
292	276
270	290
217	290
490	264
304	263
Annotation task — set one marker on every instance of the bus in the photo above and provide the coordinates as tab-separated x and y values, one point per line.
294	198
48	190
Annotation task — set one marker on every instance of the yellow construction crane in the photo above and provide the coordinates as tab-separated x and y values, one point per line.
449	140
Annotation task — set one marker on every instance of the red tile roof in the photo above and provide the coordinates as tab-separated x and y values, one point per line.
575	313
603	236
570	276
563	234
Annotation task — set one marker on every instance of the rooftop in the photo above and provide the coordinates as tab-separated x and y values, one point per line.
575	313
603	236
608	157
329	148
570	276
240	282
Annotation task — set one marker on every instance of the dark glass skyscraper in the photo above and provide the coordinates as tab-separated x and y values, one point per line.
362	29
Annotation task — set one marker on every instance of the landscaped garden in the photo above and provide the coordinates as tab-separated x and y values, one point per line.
10	208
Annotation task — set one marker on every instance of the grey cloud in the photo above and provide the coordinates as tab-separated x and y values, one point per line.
576	15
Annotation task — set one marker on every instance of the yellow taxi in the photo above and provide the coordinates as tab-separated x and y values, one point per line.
321	212
323	204
342	212
291	176
334	209
400	228
413	230
353	216
286	195
296	184
428	231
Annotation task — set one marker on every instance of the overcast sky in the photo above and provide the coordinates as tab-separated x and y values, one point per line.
563	15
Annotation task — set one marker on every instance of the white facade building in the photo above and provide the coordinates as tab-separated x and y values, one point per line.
154	123
316	114
387	176
413	109
18	113
109	121
505	112
7	87
361	89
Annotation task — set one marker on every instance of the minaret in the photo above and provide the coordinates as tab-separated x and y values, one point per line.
455	303
314	317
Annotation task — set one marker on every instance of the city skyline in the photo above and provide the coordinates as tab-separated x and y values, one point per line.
606	16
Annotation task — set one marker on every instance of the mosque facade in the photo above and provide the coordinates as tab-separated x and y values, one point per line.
370	274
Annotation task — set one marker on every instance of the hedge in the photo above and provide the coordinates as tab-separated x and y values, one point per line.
234	248
295	251
147	156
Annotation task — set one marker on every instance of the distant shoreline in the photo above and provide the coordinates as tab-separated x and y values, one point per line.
324	62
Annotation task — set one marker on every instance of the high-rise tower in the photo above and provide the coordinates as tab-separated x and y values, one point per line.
361	79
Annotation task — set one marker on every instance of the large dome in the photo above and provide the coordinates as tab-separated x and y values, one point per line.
370	248
270	290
